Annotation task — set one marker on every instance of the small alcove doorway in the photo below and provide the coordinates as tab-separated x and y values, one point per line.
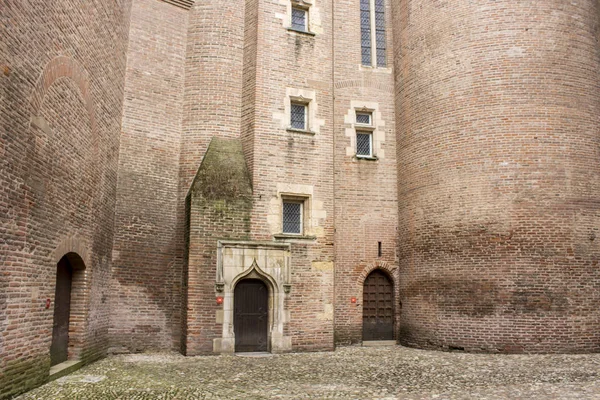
68	309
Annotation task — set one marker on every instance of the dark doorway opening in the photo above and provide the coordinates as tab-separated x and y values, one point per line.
59	350
378	307
251	315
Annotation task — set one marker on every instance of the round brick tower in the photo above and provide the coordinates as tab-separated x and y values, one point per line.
498	106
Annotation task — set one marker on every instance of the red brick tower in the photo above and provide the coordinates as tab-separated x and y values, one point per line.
498	160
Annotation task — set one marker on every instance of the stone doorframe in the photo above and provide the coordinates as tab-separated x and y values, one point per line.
267	261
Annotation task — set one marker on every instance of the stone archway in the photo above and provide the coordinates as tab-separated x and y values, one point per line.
244	260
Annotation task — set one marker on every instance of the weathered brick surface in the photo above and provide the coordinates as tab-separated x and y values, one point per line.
218	207
62	88
148	251
497	134
365	190
213	85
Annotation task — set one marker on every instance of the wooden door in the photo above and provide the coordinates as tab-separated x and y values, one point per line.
251	315
62	311
378	307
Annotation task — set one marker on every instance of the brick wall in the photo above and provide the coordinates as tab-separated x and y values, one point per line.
213	85
297	163
148	250
60	116
365	190
497	136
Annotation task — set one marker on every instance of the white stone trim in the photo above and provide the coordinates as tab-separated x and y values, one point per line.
306	96
267	261
314	210
313	13
378	127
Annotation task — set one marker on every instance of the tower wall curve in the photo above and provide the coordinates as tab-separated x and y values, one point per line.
498	108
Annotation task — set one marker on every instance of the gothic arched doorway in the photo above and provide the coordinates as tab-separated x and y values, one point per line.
378	307
251	315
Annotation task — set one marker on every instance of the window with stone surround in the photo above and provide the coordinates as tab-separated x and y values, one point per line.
364	133
298	115
364	144
299	19
299	16
292	216
300	111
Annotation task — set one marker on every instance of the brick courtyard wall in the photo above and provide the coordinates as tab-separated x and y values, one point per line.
147	259
62	87
212	108
498	108
297	163
365	190
218	207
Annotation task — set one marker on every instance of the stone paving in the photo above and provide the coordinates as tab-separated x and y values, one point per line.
348	373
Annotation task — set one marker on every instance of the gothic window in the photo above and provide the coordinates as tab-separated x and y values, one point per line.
372	32
365	31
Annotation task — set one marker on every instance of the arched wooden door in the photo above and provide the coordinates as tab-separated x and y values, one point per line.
251	315
378	307
62	312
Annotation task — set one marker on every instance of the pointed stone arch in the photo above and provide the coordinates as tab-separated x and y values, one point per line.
265	261
254	272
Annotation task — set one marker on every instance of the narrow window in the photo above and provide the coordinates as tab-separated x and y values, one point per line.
364	134
365	31
380	32
298	116
299	20
292	217
364	144
379	249
372	32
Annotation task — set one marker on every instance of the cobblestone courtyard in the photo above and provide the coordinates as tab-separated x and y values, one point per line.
347	373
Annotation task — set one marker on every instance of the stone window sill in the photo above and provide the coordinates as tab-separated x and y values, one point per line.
367	158
300	131
288	236
309	33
